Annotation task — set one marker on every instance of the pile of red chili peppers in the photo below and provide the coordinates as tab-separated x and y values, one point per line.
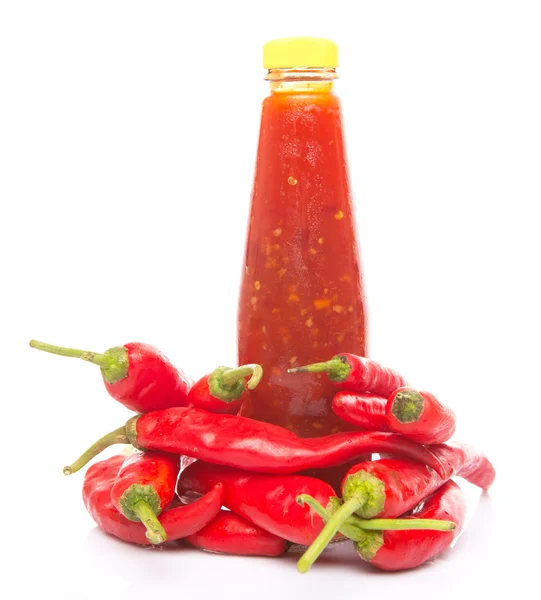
256	488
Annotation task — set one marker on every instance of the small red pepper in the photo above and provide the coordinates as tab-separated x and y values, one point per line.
364	410
389	487
229	533
357	374
144	487
178	522
397	550
248	444
419	416
222	390
137	375
410	542
268	501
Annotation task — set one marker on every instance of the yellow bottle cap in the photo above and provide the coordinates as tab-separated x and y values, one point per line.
310	52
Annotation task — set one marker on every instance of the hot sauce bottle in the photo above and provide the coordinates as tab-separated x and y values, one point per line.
301	298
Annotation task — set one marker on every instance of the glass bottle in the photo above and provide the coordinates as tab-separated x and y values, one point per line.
301	298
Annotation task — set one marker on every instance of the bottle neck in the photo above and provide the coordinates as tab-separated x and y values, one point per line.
304	81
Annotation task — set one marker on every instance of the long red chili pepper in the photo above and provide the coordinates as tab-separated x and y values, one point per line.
403	548
389	487
144	488
139	376
268	501
231	534
248	444
221	391
357	374
177	522
419	416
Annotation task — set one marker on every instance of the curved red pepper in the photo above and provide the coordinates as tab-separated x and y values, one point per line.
221	391
466	462
178	522
392	486
248	444
144	487
357	374
268	501
231	534
397	550
419	416
137	375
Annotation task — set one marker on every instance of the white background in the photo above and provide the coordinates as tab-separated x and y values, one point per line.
128	134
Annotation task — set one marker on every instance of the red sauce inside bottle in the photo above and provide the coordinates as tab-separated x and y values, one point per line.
301	298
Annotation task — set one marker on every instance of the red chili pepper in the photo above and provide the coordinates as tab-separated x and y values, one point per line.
389	487
357	374
364	410
268	501
139	376
248	444
463	460
221	391
144	487
178	522
231	534
419	416
432	529
396	550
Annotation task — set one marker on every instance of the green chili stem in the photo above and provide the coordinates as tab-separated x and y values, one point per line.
101	360
408	406
231	376
155	532
338	368
118	436
347	528
327	534
321	367
378	524
405	524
